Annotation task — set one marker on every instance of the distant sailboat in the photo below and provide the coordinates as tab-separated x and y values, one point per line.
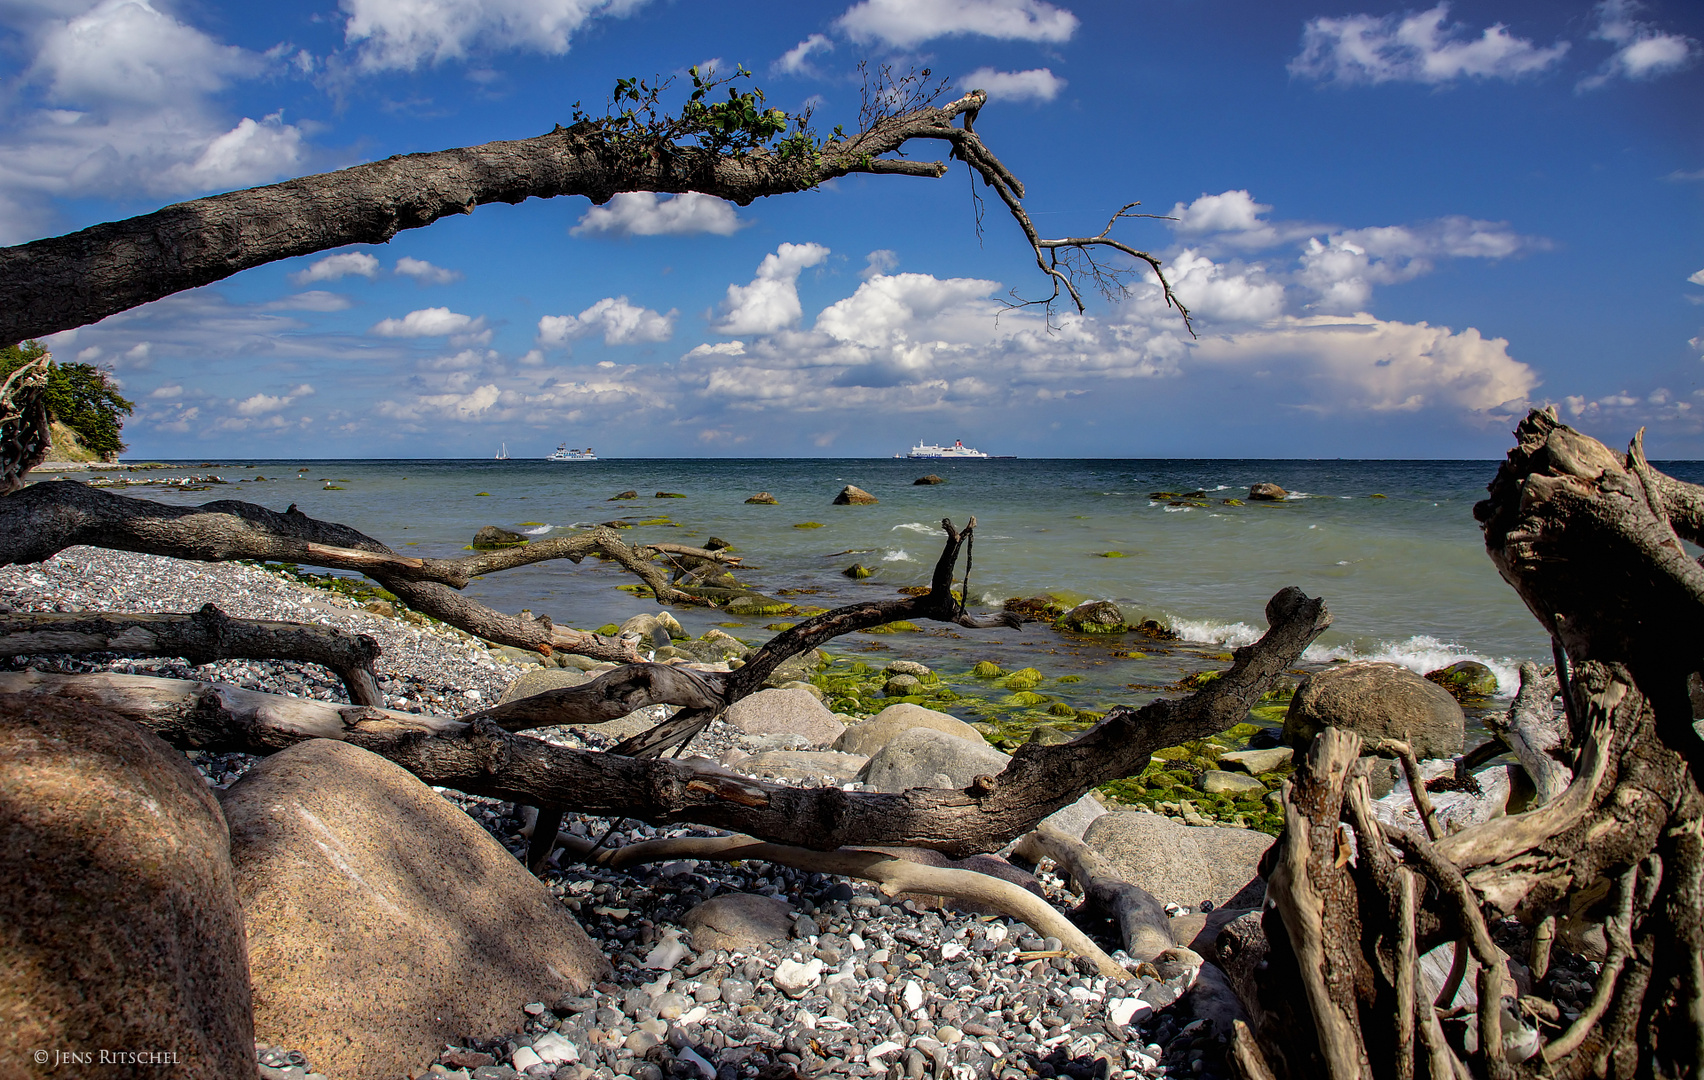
503	454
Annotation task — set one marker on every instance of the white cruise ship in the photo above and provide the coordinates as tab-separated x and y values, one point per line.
565	454
957	450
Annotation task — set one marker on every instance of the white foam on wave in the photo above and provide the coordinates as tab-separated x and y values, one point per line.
918	526
1420	654
1233	634
897	555
1179	509
540	531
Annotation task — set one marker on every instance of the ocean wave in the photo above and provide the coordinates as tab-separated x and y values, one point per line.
1179	509
1420	654
1207	631
897	555
918	526
540	531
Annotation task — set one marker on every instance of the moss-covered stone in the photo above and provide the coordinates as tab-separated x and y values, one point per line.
1023	679
808	525
1059	708
609	629
857	571
780	627
897	627
755	605
986	669
1112	554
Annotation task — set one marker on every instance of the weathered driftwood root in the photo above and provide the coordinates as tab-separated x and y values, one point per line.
24	433
1143	925
1538	734
200	638
480	758
894	875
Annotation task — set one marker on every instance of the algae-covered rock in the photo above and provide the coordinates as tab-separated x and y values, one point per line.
1466	678
1264	492
623	495
1093	617
1026	699
907	667
930	479
852	495
902	686
1059	708
1022	679
857	571
608	629
754	604
1035	608
986	669
670	495
1111	554
764	498
808	525
491	537
899	626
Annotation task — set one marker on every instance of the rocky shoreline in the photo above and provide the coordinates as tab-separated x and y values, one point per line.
740	971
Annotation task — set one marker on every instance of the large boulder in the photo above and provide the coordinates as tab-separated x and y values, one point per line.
1377	701
533	683
382	922
1183	864
924	757
122	928
1266	492
802	764
871	735
785	712
851	495
657	629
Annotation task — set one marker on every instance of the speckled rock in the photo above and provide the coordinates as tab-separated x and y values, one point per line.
738	921
122	927
1183	864
382	922
1377	701
799	764
785	712
871	735
537	682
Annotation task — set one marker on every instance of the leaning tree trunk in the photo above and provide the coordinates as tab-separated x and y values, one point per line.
1591	540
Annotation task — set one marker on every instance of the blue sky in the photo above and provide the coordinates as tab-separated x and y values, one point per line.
1398	228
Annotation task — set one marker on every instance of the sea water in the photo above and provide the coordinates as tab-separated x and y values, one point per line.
1392	547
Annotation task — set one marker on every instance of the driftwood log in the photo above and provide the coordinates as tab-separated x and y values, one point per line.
200	638
476	755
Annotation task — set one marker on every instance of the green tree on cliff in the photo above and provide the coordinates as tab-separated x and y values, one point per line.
80	396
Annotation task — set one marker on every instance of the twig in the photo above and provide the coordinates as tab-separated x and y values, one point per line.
1416	786
1407	960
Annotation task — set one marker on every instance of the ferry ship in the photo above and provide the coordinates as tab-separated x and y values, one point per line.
565	454
929	451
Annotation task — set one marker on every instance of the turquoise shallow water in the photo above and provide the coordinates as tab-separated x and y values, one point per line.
1406	576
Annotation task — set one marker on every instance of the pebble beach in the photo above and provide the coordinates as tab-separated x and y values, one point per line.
856	984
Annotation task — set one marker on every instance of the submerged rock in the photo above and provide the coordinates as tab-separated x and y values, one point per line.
851	495
623	495
857	571
492	537
764	498
1377	701
1264	492
1465	678
930	479
1093	617
755	604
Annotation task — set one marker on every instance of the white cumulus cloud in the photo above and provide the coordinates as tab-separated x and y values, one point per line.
1361	363
1036	84
403	34
424	272
645	213
343	264
1415	48
771	301
908	23
1642	50
797	60
1696	278
261	404
1342	269
621	323
429	322
118	98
